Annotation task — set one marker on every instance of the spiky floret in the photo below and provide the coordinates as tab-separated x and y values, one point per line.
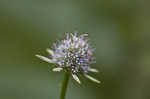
73	54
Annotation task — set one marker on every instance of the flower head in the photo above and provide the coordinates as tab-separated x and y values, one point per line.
73	55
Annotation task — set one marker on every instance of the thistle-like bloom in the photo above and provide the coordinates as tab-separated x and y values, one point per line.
73	55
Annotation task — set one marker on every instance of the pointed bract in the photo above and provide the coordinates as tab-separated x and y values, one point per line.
93	70
51	52
84	35
91	78
44	58
75	77
58	69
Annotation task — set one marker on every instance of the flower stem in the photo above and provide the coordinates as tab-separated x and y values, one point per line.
64	86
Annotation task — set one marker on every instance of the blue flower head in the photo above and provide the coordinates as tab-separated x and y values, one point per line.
72	54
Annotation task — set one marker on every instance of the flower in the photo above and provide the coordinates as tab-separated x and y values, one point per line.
73	55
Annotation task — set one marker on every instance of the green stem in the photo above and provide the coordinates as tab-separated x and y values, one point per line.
64	86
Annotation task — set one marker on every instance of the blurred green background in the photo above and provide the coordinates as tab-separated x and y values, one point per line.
119	29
